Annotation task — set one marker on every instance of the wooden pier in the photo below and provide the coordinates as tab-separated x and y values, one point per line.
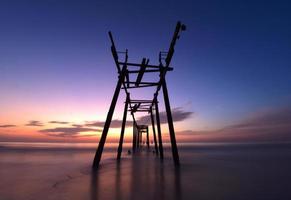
124	68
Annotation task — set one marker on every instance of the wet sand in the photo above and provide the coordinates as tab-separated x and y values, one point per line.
207	172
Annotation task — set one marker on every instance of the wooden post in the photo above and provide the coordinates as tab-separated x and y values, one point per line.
170	123
140	138
154	132
137	141
159	131
99	150
134	138
123	127
148	139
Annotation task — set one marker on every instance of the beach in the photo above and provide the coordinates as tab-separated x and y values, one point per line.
208	171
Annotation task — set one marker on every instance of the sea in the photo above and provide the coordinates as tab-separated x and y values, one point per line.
226	171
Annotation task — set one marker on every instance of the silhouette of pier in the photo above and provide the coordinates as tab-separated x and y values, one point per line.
141	105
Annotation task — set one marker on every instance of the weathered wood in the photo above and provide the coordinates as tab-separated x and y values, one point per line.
122	128
140	101
141	86
141	110
114	52
148	139
99	150
147	71
154	132
135	107
179	27
141	71
138	138
134	138
159	132
141	105
139	65
170	124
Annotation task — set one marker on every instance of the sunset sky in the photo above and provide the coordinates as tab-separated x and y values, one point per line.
231	80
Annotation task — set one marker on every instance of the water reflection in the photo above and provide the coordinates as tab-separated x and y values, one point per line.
118	182
139	177
177	180
94	185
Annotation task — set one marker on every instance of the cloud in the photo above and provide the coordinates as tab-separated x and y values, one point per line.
7	125
58	122
34	123
77	125
266	125
68	131
116	123
271	119
178	114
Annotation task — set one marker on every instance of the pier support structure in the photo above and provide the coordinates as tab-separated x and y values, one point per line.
125	71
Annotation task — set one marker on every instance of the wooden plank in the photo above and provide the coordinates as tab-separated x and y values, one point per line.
148	71
139	65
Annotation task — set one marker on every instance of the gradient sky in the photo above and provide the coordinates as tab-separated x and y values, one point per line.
231	78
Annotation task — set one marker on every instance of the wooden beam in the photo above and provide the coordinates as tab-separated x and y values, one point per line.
139	65
144	63
141	83
140	86
147	71
135	107
140	101
139	111
114	52
179	27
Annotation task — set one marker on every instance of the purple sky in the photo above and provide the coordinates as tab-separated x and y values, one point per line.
231	65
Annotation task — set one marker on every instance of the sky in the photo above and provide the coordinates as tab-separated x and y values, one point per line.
231	80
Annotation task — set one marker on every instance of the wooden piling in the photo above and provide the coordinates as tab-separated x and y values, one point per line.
170	124
122	128
159	131
148	139
99	150
154	132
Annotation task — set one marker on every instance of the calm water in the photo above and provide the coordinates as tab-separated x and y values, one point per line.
208	171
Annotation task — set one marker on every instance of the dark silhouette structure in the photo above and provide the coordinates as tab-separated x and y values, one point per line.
124	69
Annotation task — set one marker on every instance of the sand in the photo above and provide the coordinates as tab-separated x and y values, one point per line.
208	171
